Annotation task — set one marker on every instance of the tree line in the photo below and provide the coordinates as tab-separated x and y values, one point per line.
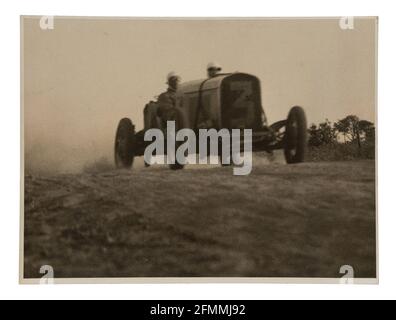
347	130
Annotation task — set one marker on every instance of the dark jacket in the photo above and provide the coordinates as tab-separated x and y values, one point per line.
166	101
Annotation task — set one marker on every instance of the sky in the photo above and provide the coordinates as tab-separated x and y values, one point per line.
83	76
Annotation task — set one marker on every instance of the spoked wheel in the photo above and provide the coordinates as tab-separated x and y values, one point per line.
124	144
295	135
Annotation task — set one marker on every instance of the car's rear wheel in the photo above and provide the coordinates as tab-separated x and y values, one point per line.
124	144
295	143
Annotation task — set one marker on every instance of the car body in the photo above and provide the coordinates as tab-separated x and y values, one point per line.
226	101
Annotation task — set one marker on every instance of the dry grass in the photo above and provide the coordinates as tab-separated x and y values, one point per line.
302	220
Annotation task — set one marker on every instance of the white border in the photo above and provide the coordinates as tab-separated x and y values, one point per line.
9	134
133	280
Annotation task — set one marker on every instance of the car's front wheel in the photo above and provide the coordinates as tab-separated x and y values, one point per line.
124	144
295	142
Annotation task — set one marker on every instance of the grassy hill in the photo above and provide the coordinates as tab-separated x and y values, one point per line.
303	220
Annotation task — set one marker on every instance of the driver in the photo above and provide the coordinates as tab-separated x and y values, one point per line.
167	99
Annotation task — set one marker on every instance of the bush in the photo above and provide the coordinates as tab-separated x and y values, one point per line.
341	152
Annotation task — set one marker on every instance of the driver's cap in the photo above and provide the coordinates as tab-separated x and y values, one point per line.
171	75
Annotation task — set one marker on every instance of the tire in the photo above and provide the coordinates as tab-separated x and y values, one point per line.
124	144
176	166
295	143
179	125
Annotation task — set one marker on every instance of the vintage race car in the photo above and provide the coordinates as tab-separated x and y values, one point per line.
230	101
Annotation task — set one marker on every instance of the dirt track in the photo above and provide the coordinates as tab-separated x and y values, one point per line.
302	220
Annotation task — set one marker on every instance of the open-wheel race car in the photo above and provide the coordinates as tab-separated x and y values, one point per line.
230	101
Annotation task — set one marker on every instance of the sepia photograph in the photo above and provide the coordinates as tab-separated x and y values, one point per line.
198	150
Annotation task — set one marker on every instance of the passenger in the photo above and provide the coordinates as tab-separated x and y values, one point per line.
213	69
167	99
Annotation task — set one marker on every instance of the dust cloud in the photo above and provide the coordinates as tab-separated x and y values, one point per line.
82	77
